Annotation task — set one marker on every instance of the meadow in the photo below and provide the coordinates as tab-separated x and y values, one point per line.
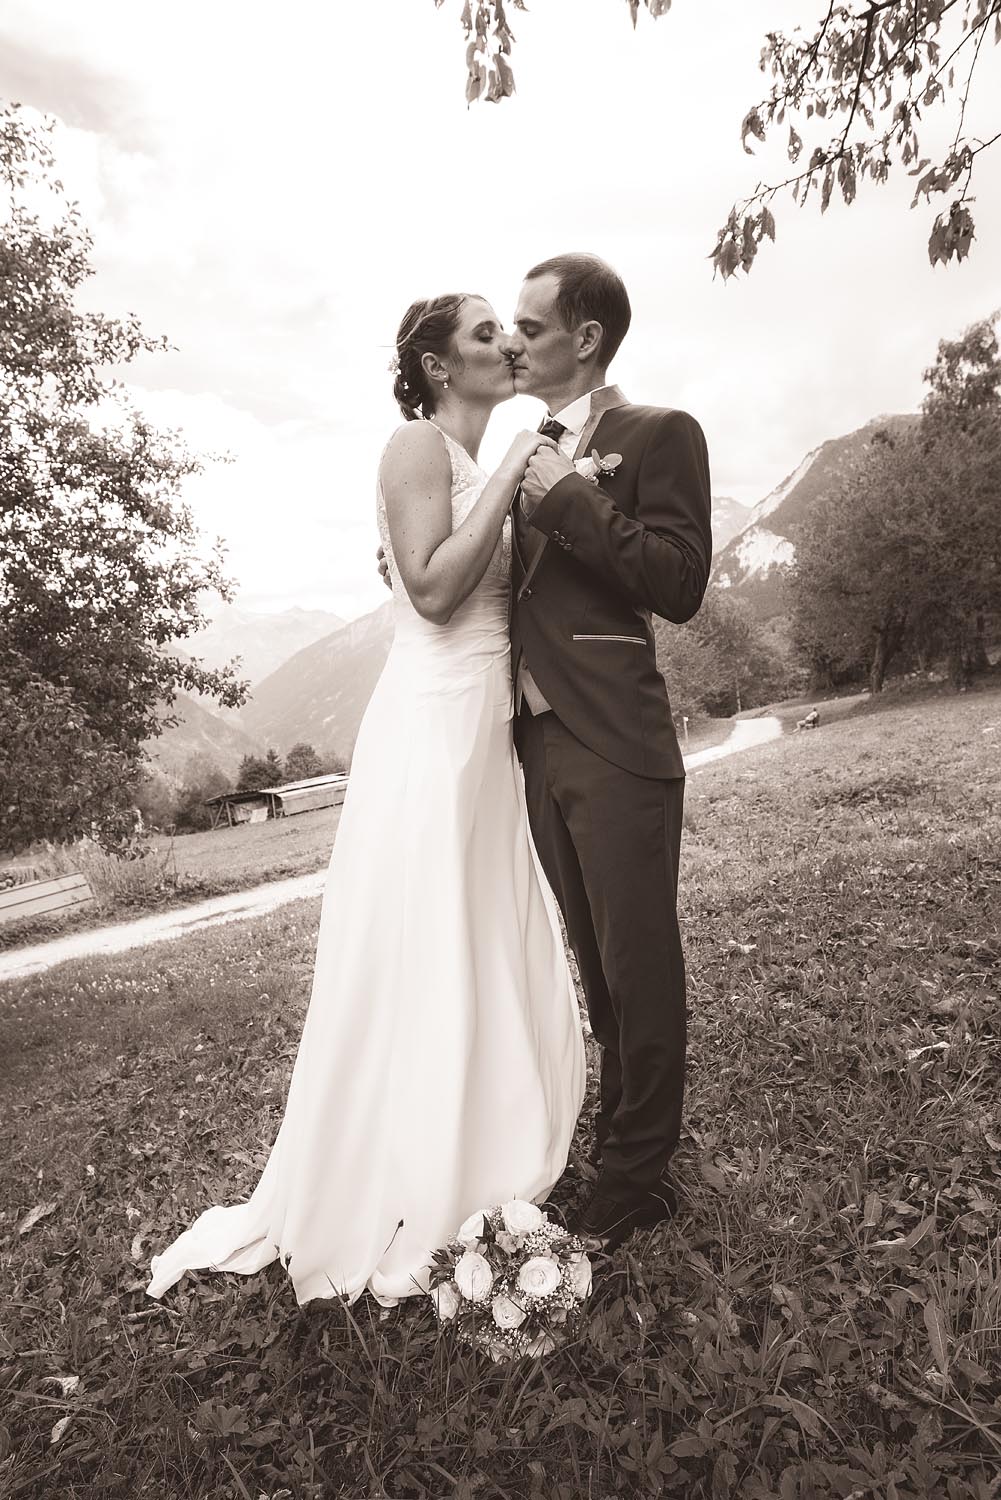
179	869
821	1319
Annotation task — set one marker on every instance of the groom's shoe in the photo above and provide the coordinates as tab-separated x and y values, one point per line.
606	1222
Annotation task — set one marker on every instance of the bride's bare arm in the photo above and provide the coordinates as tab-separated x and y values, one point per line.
439	567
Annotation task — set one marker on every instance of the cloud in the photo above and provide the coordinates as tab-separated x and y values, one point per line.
271	189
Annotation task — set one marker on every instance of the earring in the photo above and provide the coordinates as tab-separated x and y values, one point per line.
445	386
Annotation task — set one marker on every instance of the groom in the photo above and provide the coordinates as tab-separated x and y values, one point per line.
593	726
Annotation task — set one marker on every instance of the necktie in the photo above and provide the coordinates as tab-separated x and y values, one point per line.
550	428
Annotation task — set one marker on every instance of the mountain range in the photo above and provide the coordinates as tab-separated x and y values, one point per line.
320	694
201	730
313	675
727	518
263	641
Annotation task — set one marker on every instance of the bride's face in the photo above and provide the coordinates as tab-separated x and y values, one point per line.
482	371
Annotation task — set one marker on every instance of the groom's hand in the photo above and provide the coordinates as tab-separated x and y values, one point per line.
545	468
384	568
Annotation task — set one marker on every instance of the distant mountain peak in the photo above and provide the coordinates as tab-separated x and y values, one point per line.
320	693
753	559
262	641
728	517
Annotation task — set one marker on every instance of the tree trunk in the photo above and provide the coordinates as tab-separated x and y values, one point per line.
978	660
956	667
889	639
877	667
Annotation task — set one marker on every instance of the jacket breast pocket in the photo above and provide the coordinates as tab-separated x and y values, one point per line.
609	636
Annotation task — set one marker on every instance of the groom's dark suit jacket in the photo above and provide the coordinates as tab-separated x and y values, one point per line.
596	562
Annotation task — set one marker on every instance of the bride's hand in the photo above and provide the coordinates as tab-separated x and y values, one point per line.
521	450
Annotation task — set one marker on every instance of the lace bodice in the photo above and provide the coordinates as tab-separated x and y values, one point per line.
468	480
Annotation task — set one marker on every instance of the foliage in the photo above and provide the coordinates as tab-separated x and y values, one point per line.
722	660
821	1320
881	66
333	763
907	555
875	70
202	779
253	774
100	562
156	800
302	762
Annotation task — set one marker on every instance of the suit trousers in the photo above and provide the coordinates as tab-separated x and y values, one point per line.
609	842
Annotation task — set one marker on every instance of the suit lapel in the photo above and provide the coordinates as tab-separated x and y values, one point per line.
601	401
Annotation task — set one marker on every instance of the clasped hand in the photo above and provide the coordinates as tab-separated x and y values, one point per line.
545	466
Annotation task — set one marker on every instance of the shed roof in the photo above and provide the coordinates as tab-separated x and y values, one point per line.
274	791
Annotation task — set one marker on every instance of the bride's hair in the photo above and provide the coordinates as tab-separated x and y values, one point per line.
427	328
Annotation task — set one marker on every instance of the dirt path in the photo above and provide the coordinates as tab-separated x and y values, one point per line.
745	734
159	926
163	925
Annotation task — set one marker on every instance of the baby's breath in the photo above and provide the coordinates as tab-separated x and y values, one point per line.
551	1317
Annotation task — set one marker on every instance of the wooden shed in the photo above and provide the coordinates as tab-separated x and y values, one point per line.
278	801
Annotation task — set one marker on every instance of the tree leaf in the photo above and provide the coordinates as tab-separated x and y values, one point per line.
937	1334
40	1211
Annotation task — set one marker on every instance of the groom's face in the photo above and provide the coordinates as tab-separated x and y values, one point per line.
543	353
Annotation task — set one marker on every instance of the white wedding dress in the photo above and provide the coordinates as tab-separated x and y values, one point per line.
441	1065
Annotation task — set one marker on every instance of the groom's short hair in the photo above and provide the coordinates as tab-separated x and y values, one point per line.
589	290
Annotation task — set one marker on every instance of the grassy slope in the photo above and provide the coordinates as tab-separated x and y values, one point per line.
181	870
822	1320
256	852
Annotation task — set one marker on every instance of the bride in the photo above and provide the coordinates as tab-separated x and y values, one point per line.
441	1065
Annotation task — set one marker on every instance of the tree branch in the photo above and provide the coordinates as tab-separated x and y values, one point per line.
866	40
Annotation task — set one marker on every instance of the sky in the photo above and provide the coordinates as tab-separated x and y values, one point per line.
271	186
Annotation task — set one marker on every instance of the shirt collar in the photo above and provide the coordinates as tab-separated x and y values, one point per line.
575	416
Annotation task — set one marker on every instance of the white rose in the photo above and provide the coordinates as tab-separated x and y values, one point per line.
540	1345
539	1276
586	468
445	1297
507	1313
471	1230
521	1217
473	1276
580	1273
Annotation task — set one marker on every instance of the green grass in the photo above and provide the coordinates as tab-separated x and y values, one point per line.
821	1320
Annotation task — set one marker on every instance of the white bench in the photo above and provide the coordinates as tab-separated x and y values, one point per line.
37	898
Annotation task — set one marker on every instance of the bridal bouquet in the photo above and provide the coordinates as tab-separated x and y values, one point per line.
512	1281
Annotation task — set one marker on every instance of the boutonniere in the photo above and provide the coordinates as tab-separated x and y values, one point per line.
595	467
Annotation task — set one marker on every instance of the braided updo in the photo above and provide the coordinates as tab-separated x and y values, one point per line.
427	328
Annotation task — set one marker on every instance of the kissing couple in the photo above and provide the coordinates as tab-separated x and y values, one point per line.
518	759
